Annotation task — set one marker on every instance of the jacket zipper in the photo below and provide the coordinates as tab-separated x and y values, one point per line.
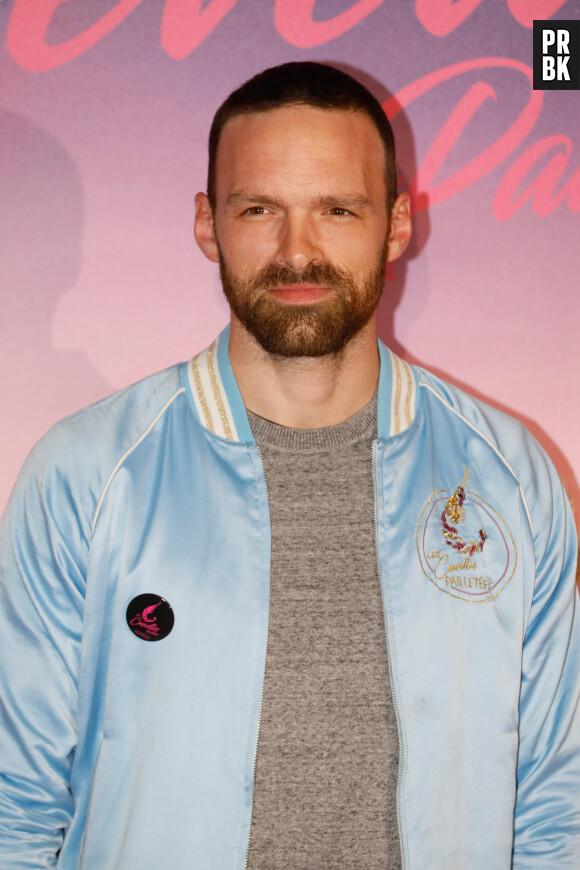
261	697
254	773
390	663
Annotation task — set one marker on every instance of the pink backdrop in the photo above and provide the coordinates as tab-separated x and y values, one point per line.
105	110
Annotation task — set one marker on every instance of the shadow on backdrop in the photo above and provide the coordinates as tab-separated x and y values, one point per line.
41	225
396	277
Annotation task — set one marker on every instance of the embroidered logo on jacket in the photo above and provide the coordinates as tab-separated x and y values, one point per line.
465	547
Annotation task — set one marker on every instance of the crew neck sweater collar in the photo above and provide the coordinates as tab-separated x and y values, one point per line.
358	427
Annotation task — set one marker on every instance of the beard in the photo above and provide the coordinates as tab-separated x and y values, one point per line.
316	330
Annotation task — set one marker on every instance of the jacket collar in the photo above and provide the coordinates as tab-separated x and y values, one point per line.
218	405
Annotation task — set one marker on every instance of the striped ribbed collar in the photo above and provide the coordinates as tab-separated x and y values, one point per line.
217	401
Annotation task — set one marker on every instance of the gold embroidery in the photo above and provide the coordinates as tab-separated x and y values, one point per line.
408	416
470	582
462	577
507	528
455	513
397	400
201	393
217	394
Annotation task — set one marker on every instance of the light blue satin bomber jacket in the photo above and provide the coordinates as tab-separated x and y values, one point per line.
141	754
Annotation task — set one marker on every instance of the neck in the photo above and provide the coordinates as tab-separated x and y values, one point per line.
305	392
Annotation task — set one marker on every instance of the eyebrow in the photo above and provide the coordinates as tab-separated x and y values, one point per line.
242	196
354	200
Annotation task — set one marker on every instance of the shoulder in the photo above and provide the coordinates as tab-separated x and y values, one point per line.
112	424
501	430
72	462
507	439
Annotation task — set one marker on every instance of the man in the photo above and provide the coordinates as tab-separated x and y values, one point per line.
295	603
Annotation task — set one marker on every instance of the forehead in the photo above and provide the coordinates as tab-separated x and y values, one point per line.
300	147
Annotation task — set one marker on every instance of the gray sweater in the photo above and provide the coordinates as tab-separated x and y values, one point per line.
326	769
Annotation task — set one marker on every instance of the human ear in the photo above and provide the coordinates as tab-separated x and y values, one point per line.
401	227
203	228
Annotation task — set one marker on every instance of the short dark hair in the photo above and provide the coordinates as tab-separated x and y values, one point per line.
308	84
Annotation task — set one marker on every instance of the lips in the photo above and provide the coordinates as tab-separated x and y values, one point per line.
300	294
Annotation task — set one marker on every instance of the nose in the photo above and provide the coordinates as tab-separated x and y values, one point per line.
298	243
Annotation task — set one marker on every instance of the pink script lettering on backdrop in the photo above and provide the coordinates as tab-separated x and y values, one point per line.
507	201
185	25
29	23
543	188
293	20
422	191
441	17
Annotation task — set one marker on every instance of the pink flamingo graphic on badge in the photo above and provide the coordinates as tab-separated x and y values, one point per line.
150	617
149	610
146	620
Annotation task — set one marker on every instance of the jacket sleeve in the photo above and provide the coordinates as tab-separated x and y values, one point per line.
42	549
547	816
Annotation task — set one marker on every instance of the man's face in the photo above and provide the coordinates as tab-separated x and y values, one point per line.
301	226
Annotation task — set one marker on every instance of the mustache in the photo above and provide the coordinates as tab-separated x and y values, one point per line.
314	273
